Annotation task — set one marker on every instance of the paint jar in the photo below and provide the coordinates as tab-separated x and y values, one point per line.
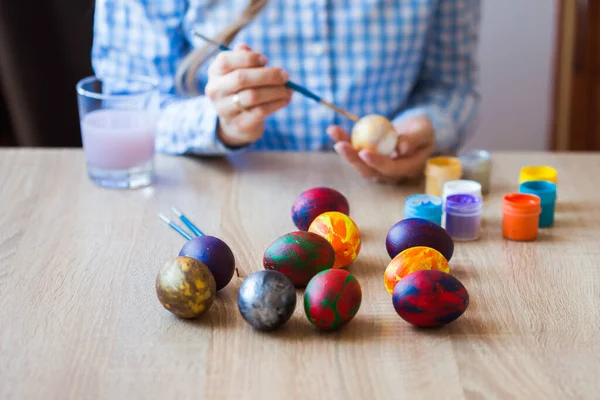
440	170
521	216
424	206
538	173
546	191
461	186
462	216
477	166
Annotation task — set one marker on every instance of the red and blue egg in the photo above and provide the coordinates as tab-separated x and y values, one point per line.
430	298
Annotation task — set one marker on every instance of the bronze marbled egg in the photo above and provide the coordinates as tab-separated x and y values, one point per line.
185	287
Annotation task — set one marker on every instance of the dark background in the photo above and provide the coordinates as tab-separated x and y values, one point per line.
45	48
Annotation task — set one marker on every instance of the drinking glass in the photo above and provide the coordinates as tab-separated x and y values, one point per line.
118	122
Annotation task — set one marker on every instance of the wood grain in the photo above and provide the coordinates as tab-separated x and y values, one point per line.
79	318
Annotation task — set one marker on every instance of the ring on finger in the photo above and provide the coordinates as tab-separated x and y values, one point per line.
238	103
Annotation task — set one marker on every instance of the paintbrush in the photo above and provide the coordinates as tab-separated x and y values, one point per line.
175	226
187	222
291	85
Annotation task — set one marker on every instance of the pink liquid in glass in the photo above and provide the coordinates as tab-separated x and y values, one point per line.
118	139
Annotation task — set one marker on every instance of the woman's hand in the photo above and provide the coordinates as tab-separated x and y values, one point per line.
416	143
244	93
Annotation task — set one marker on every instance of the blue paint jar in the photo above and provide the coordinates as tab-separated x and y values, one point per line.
546	191
424	206
462	216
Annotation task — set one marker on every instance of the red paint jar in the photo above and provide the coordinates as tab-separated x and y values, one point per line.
521	216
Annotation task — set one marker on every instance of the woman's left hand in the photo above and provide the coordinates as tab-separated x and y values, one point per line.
415	144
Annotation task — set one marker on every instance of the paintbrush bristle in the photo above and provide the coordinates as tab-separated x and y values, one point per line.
164	218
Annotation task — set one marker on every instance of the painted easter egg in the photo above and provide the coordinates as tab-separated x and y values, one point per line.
299	256
342	233
411	260
185	287
267	300
215	254
413	232
429	298
314	202
332	298
375	133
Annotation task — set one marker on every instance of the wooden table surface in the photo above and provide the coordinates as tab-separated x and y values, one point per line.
79	317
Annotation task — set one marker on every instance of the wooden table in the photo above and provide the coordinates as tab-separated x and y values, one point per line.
79	317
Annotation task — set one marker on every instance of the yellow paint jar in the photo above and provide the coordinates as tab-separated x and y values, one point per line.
440	170
538	173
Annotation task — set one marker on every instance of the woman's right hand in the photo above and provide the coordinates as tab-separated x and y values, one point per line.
244	93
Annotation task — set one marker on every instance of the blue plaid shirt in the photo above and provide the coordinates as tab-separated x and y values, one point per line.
395	58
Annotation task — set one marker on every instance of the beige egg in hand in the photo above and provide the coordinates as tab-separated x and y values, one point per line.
375	133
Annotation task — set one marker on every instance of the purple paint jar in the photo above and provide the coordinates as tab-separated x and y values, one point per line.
462	216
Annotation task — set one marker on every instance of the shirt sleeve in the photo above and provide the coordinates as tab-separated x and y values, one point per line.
446	88
146	37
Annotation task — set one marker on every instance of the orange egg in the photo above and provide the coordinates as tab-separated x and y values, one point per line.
411	260
342	233
375	133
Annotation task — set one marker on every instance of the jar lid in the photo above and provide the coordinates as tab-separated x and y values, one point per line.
475	158
463	204
538	173
522	203
461	186
444	165
546	190
424	205
423	201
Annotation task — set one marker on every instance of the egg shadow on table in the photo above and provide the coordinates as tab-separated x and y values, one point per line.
203	320
220	315
224	314
294	330
361	328
463	269
470	325
366	268
299	329
466	328
367	235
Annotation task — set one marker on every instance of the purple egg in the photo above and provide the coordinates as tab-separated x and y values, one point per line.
215	254
412	232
